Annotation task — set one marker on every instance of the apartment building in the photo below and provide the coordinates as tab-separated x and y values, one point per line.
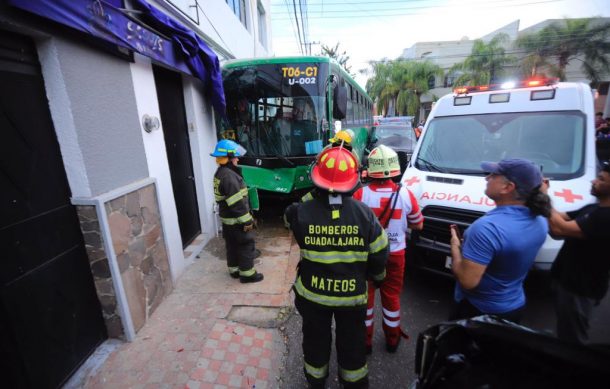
447	53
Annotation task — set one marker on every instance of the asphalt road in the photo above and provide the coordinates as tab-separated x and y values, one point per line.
425	301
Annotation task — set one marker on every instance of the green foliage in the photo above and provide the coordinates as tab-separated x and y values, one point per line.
551	49
485	64
340	56
402	82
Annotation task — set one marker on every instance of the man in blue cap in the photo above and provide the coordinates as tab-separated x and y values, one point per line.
501	246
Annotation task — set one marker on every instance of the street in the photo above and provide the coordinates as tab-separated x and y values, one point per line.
426	301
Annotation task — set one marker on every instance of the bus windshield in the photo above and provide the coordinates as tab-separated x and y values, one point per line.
275	110
458	144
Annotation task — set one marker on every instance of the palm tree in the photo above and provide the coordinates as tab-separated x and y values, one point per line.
381	86
401	82
415	82
567	41
486	62
538	54
340	57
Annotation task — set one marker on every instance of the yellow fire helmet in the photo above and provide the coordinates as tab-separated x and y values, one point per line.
344	136
383	163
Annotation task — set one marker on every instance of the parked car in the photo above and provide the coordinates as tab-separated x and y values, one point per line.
377	119
399	135
488	352
397	120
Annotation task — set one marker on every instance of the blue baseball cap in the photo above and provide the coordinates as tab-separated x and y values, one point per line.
525	174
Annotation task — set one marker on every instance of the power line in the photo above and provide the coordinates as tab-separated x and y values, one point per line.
303	26
217	33
294	6
402	59
291	24
400	1
356	14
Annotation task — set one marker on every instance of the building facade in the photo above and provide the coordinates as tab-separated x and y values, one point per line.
108	109
447	53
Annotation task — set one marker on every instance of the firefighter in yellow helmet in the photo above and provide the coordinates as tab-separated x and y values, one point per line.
342	245
397	210
231	194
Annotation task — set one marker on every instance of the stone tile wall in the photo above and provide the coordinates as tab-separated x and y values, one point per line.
137	239
98	260
139	247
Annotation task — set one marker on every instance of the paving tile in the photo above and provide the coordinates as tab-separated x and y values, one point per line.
223	378
235	381
194	385
210	376
188	343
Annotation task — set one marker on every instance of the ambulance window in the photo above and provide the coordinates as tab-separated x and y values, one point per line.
458	144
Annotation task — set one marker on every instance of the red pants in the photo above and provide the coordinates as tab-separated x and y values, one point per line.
390	301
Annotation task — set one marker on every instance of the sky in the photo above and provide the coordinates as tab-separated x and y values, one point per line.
376	29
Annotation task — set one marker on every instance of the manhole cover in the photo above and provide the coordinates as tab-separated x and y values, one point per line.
266	317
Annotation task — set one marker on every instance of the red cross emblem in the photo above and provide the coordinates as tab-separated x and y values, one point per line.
382	204
568	196
411	180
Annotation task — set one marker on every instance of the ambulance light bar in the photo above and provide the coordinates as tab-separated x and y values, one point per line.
529	83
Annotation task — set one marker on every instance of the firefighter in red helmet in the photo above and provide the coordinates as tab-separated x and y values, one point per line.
342	244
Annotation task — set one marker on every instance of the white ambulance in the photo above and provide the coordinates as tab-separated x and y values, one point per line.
548	122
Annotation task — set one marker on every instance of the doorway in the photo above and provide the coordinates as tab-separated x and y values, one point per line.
177	144
50	316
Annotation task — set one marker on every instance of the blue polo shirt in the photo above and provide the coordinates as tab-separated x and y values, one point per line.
506	240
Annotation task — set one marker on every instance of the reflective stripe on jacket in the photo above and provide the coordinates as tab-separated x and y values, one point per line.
231	194
338	254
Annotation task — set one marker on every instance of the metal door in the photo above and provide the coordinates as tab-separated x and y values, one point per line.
50	316
175	132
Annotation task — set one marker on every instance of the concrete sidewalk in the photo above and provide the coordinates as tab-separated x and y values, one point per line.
212	331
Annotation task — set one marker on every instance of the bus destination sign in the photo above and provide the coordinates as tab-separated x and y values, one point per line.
301	76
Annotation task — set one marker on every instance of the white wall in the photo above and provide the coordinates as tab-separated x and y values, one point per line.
156	158
218	22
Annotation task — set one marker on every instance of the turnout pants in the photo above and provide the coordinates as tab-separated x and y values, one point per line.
240	249
317	336
390	301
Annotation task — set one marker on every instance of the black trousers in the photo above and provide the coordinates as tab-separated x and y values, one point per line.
573	314
350	343
240	246
465	310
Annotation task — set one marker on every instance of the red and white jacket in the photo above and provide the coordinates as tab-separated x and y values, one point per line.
377	195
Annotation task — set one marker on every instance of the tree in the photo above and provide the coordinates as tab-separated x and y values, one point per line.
417	77
564	42
486	62
336	54
402	82
380	86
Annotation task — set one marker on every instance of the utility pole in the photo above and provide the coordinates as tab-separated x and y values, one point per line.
308	46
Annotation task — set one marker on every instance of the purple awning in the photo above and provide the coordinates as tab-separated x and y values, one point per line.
184	50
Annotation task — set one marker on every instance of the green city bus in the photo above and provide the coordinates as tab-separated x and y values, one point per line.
283	111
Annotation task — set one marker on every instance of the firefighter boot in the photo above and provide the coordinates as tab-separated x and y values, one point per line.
255	277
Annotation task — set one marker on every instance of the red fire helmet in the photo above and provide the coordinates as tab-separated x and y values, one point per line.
336	170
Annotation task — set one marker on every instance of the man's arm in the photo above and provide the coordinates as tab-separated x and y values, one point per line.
561	226
468	273
560	223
